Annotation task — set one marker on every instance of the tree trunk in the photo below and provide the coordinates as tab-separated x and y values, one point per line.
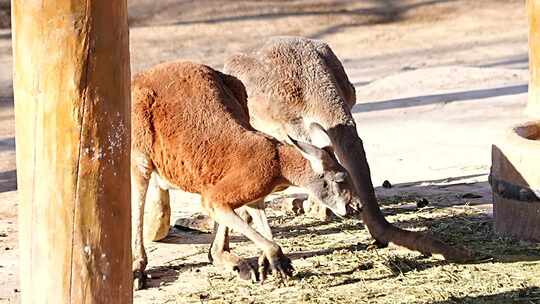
533	9
72	110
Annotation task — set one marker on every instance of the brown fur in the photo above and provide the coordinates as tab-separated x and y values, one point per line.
175	123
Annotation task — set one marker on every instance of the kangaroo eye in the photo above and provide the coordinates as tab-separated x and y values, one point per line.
340	177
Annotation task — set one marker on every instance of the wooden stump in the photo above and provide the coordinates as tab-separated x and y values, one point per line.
515	182
515	171
72	110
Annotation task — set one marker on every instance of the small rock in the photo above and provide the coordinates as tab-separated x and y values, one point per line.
386	184
3	234
471	195
199	222
422	203
16	290
7	248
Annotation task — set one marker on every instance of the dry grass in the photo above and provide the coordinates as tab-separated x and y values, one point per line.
333	265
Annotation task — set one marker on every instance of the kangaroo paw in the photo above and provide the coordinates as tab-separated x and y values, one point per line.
139	280
275	262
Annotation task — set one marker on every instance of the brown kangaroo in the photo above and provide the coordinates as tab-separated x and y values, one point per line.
293	82
190	131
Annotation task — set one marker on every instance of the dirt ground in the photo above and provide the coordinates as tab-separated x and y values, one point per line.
437	83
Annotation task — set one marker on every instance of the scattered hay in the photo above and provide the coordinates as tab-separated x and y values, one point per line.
333	264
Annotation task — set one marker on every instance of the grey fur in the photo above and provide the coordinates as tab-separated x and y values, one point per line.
291	81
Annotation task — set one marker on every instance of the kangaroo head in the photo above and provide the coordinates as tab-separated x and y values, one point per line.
329	182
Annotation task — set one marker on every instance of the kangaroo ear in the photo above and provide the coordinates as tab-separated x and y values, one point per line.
318	136
314	155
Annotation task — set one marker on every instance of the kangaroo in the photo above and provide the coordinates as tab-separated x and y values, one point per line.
293	82
191	131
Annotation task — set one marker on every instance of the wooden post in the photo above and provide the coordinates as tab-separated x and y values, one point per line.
72	109
533	9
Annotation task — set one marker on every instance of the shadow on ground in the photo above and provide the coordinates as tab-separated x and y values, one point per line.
6	35
191	12
514	62
439	98
160	275
7	144
8	180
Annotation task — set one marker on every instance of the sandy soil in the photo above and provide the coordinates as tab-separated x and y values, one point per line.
437	83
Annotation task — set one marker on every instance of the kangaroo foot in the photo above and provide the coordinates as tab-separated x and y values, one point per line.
232	262
139	276
275	262
139	280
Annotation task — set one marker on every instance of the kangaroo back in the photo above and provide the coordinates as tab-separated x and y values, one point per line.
190	124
